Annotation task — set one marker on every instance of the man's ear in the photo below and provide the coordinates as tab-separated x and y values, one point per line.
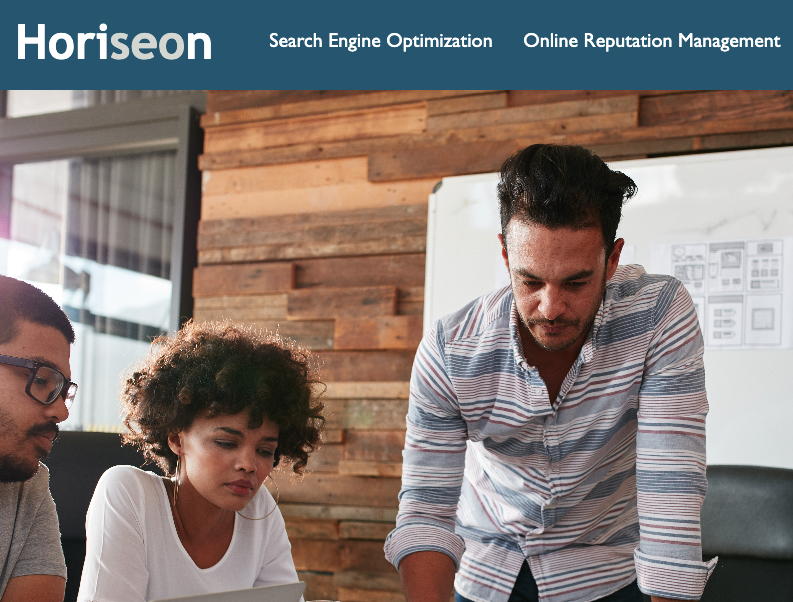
614	258
504	251
175	442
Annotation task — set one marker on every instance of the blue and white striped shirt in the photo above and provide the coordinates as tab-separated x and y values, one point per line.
600	487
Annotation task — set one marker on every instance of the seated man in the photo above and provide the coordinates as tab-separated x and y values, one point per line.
555	443
35	395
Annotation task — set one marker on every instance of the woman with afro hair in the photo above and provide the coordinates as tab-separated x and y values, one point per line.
216	407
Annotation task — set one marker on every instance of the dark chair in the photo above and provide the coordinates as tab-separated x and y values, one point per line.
77	461
747	521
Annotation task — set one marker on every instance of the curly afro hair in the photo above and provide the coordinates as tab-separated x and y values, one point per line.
213	368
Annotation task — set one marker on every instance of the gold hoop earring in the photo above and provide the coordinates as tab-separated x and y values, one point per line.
277	496
176	479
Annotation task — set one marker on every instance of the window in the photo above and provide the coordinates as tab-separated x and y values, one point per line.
99	208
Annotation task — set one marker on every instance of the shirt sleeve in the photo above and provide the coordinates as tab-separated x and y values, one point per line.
433	461
670	454
41	553
115	557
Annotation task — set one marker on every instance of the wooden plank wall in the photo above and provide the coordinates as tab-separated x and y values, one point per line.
314	224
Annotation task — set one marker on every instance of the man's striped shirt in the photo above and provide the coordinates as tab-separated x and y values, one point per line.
601	487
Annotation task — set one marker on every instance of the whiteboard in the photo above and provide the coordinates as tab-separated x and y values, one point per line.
709	201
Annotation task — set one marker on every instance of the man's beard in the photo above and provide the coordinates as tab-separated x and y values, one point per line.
580	326
14	469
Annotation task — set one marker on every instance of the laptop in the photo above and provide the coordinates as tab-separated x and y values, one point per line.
289	592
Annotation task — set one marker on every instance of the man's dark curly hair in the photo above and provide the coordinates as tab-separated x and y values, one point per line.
560	186
214	368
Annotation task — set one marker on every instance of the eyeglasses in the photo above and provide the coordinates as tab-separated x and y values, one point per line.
45	384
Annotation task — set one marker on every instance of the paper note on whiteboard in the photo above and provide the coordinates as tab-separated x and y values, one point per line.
738	288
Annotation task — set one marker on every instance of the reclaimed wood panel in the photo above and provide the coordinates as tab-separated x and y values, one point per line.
250	108
378	238
351	195
243	279
349	594
326	458
367	390
380	270
319	586
464	104
495	144
307	528
386	365
336	512
248	301
405	143
283	177
330	435
331	127
775	121
227	100
535	113
358	579
365	530
214	233
411	301
322	488
375	446
315	304
395	332
440	161
370	469
365	413
711	105
516	98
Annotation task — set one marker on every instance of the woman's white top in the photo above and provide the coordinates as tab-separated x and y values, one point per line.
134	554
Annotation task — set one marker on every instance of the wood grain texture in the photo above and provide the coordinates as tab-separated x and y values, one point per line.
535	113
226	109
396	332
325	302
331	127
464	104
349	594
375	446
368	390
298	151
516	98
357	579
337	512
319	586
385	365
381	270
312	174
243	279
712	105
228	100
365	413
216	233
322	488
370	469
368	238
307	528
326	458
349	195
328	555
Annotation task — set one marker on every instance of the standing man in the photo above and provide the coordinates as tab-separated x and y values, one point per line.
555	444
35	395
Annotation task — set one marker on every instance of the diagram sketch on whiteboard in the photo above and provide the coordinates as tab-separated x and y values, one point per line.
737	287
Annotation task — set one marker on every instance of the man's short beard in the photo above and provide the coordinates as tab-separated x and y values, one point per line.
564	344
14	470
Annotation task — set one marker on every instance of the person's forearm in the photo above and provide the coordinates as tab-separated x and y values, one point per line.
427	577
657	599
